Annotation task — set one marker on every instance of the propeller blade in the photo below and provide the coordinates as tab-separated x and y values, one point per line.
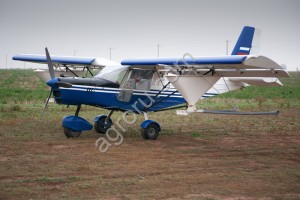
50	65
49	96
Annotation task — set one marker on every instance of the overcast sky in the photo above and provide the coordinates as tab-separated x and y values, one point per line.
133	28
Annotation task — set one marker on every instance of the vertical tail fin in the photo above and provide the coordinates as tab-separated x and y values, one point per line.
244	43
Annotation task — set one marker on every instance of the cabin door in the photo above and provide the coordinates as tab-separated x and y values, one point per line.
137	79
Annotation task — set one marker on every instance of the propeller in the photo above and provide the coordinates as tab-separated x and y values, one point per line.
47	101
52	75
50	65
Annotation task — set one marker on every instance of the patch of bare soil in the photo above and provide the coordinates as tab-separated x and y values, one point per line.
253	162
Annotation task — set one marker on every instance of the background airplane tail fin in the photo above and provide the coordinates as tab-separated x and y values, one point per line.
244	43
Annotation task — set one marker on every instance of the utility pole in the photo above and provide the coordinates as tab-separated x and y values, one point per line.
110	53
24	63
6	60
158	50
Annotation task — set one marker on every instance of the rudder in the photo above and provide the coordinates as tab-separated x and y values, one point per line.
244	43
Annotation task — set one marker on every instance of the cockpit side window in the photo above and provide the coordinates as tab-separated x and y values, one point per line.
139	79
159	82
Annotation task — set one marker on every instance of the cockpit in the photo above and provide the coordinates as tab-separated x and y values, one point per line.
132	78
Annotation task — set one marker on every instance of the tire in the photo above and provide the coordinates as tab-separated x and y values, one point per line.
144	135
151	132
98	125
71	134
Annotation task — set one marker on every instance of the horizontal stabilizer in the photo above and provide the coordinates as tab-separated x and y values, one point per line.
236	112
226	112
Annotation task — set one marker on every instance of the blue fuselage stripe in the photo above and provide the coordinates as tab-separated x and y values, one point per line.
108	97
135	92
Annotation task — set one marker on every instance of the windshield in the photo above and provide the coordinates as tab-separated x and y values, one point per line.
114	74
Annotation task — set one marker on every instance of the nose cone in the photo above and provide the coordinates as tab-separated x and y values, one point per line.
52	83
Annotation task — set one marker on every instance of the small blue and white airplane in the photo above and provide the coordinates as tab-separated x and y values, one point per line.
156	84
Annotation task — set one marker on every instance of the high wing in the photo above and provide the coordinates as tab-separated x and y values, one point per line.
186	60
218	62
223	66
66	60
195	76
66	65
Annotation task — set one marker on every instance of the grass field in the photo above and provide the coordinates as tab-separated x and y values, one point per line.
198	156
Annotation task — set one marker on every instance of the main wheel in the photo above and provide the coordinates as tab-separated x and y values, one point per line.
71	134
100	126
151	132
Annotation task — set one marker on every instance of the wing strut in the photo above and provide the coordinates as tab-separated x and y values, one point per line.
156	96
67	68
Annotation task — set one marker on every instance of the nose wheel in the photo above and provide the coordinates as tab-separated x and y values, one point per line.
71	134
74	125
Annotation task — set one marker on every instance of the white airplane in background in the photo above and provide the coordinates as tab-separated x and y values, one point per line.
160	83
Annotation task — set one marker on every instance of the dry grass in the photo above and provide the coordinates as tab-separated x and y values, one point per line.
196	157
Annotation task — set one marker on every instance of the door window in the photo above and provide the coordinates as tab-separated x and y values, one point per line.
139	79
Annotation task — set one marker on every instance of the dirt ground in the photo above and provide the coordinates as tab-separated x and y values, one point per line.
197	157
